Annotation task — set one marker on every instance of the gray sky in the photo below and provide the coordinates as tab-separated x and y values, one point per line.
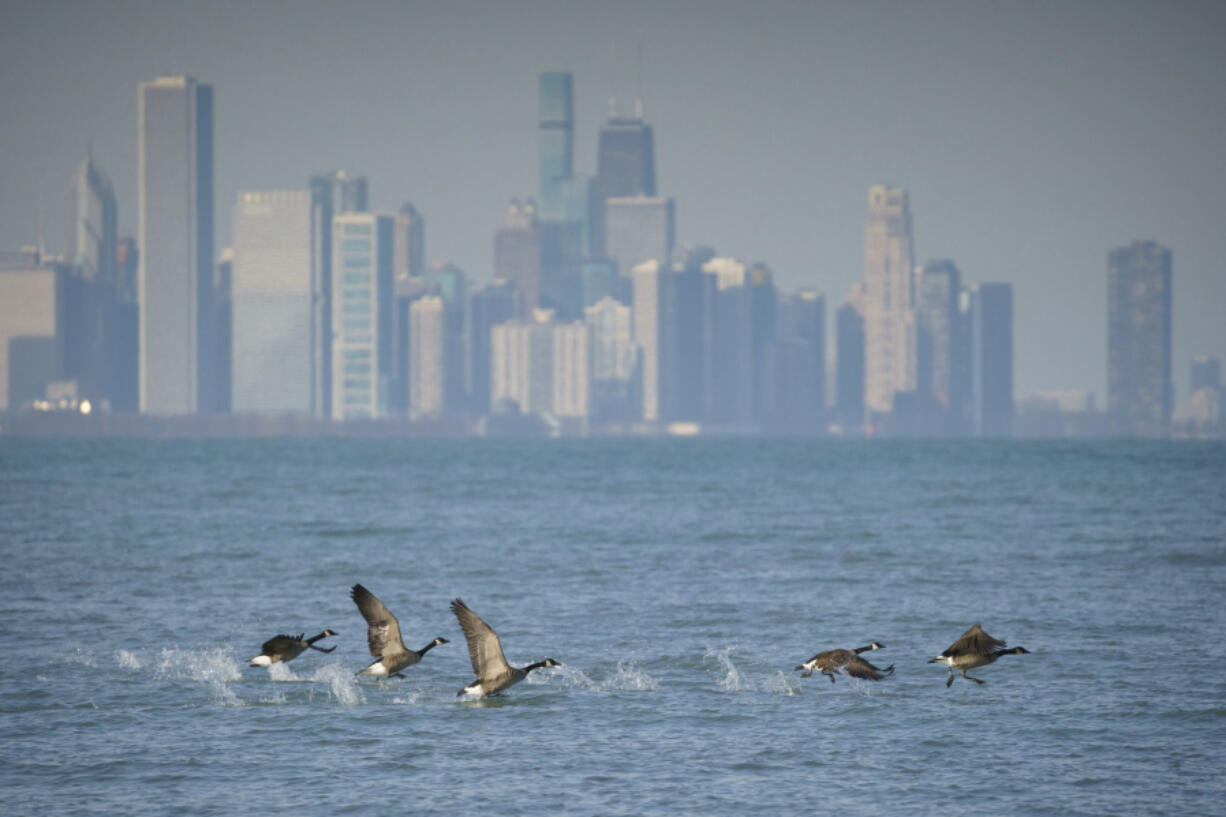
1033	137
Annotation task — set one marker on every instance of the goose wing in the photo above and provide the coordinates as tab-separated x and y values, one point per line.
278	643
974	641
484	648
382	628
857	667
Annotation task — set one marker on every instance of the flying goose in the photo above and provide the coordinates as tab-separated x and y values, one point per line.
281	648
383	637
493	672
849	661
974	648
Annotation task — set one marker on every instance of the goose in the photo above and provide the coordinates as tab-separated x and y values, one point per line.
281	648
974	648
849	661
493	672
383	637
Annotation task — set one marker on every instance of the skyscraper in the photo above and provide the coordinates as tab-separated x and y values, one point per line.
798	365
1139	388
427	349
410	243
992	363
555	140
889	317
176	245
489	306
517	254
729	368
277	366
331	193
572	370
849	364
90	296
687	325
626	163
937	289
522	363
651	293
639	229
92	224
30	329
223	325
362	273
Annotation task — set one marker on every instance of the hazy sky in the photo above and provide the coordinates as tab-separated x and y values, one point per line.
1033	137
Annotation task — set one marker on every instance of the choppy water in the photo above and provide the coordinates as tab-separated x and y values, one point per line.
678	581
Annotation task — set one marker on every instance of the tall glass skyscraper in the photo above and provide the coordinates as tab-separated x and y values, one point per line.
992	361
276	329
92	224
331	193
362	273
176	246
889	316
626	161
938	288
556	140
1139	387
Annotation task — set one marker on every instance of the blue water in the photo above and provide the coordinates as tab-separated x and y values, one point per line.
678	582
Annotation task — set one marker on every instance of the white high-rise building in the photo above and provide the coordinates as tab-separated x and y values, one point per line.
176	246
889	313
276	329
649	307
427	339
522	362
572	370
362	272
613	350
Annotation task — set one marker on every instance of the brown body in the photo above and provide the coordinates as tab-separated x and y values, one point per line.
974	648
847	661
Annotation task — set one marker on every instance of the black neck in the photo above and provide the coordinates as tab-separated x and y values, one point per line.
427	648
315	638
531	667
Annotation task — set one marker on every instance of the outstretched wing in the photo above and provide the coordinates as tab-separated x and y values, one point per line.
382	628
484	648
276	644
973	642
857	667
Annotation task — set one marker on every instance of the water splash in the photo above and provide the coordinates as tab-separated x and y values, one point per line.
734	680
128	660
342	684
214	666
631	678
282	673
626	678
781	683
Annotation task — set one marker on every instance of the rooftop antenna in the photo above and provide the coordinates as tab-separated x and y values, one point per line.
638	82
612	72
38	217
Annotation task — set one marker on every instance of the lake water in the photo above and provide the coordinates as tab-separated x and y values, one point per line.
678	582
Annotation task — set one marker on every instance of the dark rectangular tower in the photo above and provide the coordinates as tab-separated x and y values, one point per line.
1139	390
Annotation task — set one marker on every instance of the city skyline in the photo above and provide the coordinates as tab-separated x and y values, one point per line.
1070	181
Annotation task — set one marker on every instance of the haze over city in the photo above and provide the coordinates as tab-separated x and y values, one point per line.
1031	139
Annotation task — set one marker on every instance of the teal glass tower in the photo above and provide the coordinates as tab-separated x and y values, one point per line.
556	140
